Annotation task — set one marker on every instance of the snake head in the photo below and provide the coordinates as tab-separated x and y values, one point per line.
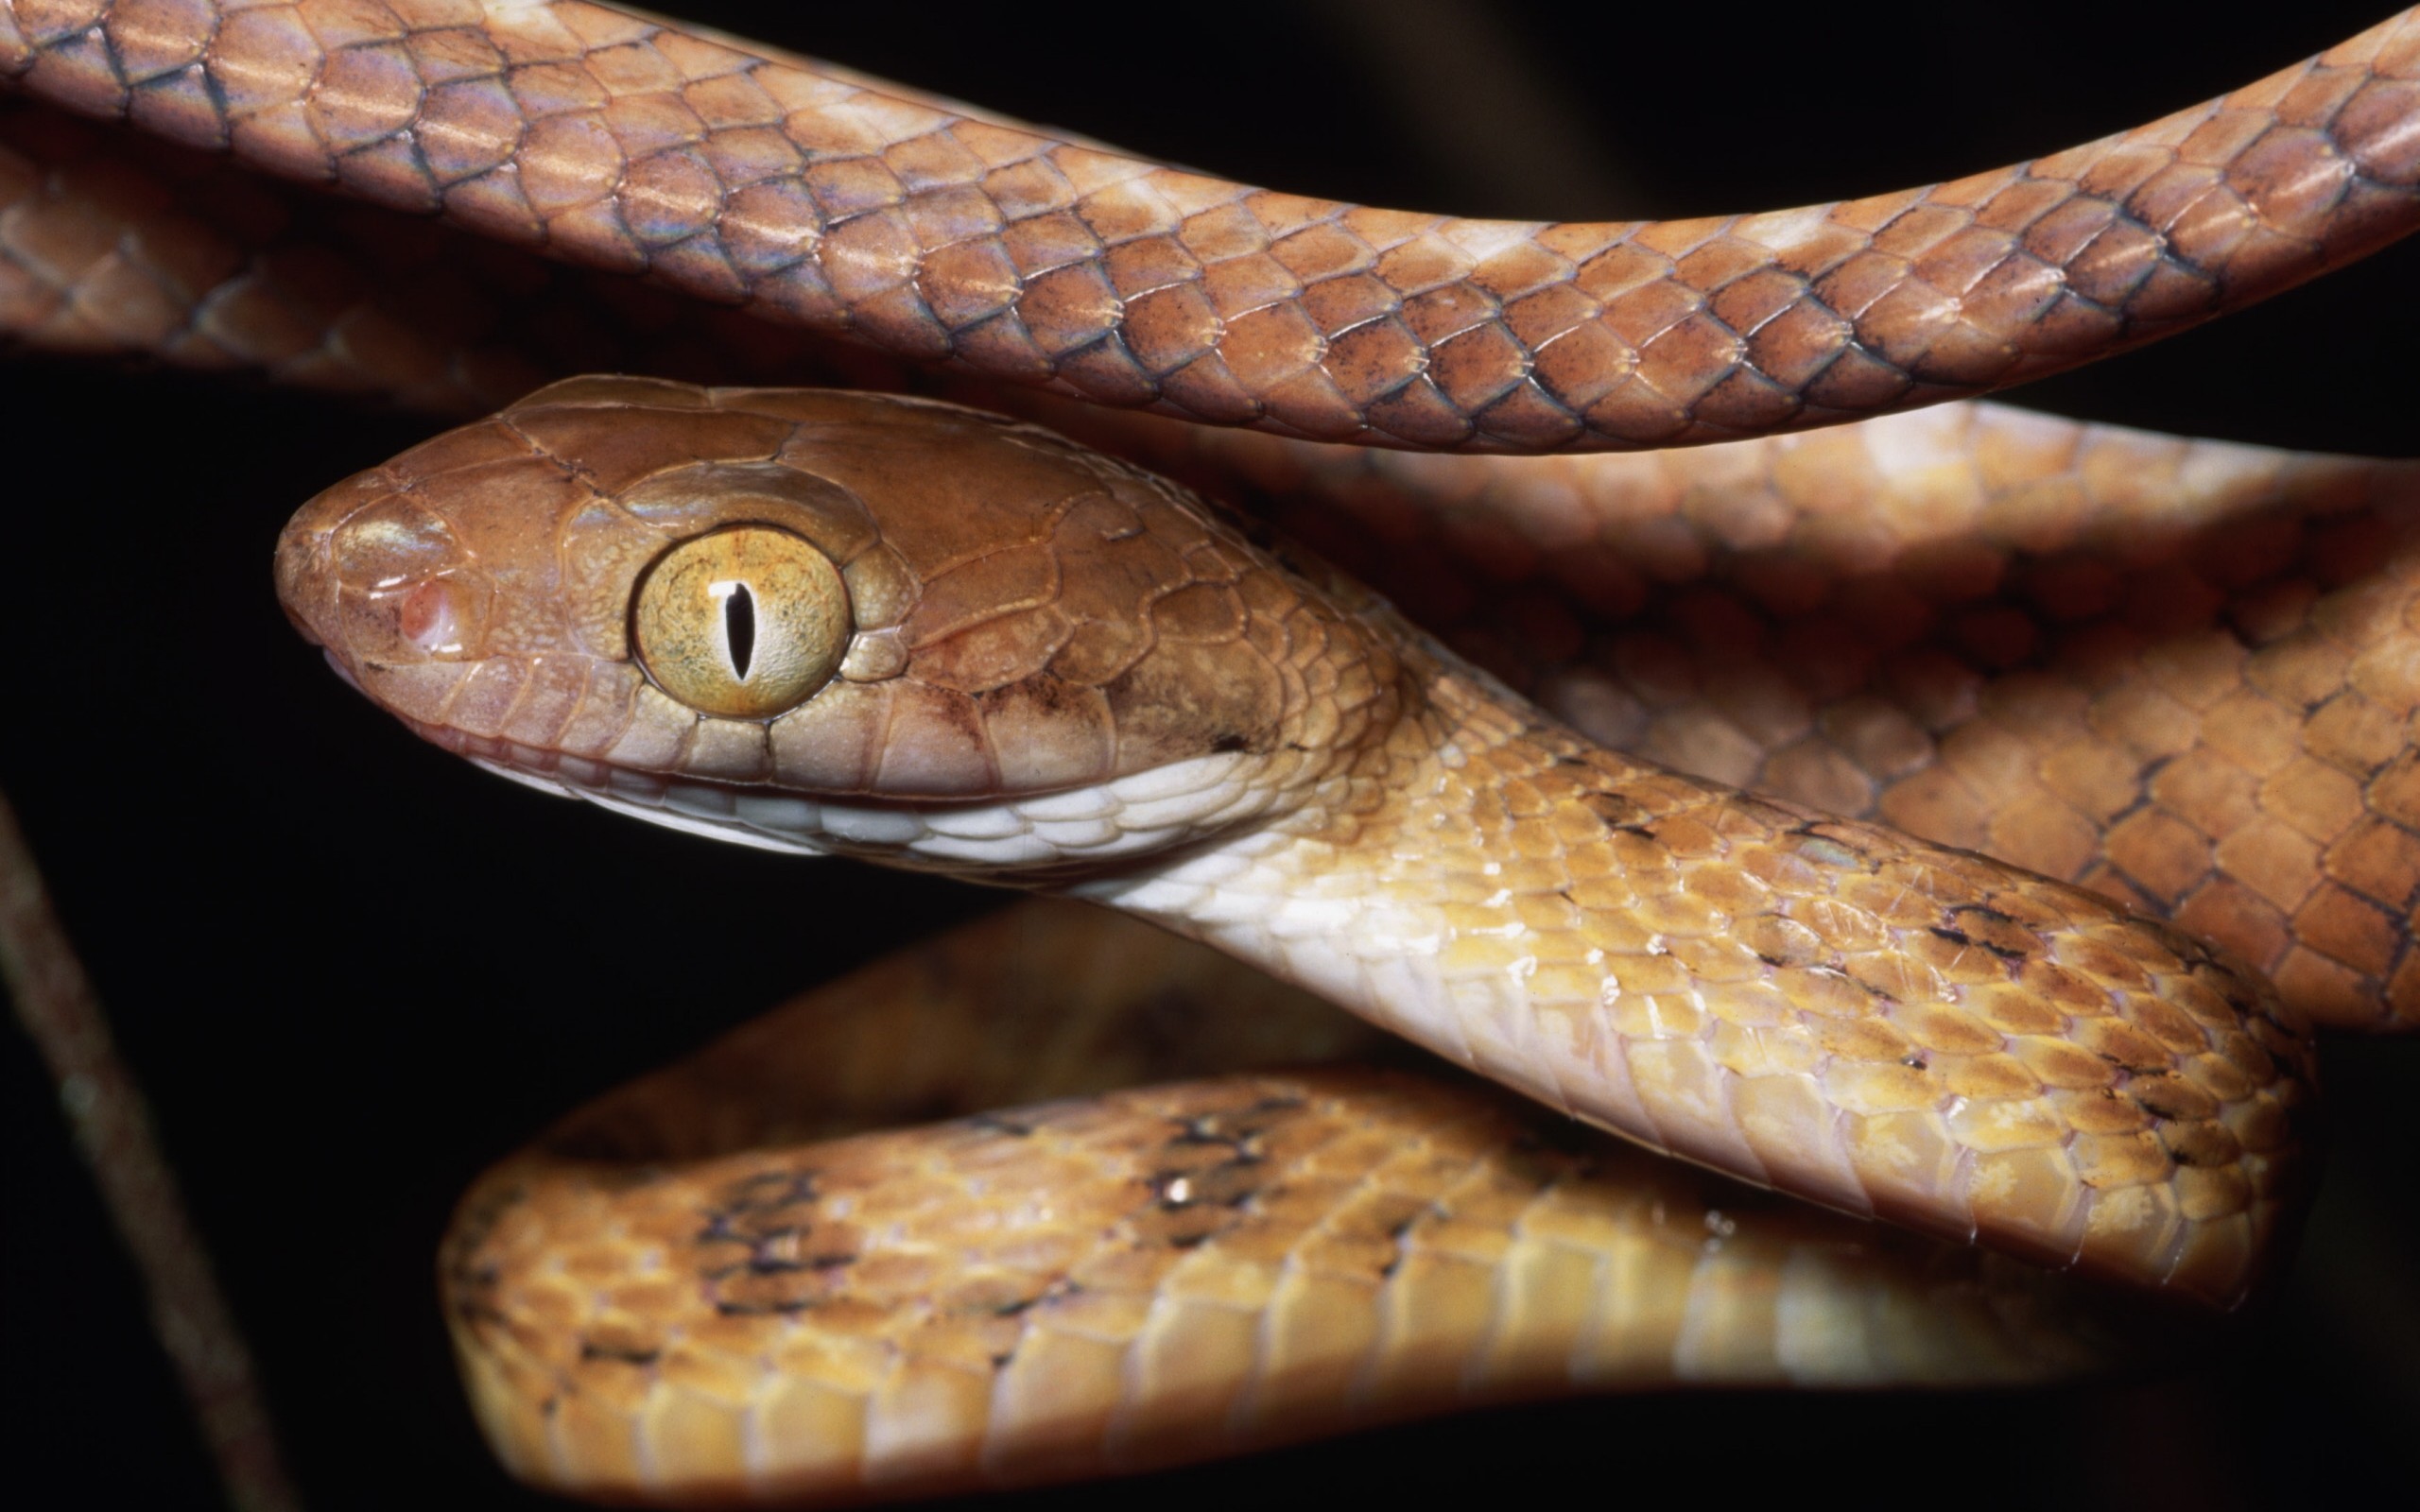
820	621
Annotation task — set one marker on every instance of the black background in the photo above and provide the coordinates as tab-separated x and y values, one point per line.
352	971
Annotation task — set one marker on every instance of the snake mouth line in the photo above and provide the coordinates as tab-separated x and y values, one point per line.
1160	812
769	821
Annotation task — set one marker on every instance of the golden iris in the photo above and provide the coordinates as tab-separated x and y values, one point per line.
745	623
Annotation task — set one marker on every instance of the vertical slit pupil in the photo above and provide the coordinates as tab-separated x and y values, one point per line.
739	628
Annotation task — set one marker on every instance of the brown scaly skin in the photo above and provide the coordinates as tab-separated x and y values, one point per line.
1951	623
760	181
1813	1005
2201	706
1285	1255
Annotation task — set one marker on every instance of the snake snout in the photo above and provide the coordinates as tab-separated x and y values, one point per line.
385	586
300	567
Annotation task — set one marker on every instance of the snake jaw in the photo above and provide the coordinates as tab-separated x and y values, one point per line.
1082	835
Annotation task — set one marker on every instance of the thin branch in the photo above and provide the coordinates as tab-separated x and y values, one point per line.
113	1126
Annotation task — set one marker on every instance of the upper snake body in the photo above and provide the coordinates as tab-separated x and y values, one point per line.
1055	669
1714	1032
909	224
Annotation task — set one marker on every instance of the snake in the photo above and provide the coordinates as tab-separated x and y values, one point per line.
1430	710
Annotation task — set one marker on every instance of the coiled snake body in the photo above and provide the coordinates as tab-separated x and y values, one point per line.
1722	988
841	623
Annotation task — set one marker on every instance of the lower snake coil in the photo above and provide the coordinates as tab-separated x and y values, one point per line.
900	629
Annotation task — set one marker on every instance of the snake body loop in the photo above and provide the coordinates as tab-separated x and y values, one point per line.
811	198
901	630
1101	1274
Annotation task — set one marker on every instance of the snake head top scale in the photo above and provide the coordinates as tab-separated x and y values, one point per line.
834	622
907	631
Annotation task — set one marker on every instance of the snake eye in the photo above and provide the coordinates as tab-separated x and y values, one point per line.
745	623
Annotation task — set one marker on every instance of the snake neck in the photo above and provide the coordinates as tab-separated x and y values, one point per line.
1815	1005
